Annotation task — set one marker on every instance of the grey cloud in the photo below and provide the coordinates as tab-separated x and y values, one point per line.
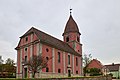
98	21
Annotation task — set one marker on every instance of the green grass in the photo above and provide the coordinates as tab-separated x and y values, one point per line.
51	78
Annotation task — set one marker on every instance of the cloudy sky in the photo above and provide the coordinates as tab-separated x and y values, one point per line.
98	21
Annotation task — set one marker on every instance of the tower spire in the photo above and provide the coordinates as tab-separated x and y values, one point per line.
71	25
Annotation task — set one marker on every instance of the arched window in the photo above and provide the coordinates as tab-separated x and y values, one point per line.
47	49
76	72
76	61
78	39
26	39
68	59
58	57
59	70
67	39
47	69
25	58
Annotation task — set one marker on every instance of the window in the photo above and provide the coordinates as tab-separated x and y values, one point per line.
76	72
78	39
69	73
59	70
25	72
69	59
58	57
26	39
25	58
25	49
67	39
47	69
47	49
76	61
47	58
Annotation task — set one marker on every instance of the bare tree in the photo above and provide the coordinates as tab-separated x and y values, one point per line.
1	61
86	61
1	64
9	67
10	61
36	63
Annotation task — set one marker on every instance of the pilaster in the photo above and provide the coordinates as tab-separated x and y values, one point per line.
53	60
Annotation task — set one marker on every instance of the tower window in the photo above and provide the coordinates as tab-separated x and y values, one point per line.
78	39
47	49
47	69
69	59
59	70
58	57
67	39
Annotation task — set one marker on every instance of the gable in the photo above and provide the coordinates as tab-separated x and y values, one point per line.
95	64
27	38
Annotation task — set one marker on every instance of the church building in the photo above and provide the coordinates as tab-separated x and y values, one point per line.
66	55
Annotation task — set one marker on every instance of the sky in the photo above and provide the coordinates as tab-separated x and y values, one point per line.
98	22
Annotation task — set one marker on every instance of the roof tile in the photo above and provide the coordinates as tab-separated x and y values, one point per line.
52	41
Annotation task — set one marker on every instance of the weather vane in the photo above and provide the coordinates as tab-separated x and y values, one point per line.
70	11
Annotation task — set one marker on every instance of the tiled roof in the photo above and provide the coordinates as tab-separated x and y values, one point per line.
95	64
99	63
52	41
71	26
113	67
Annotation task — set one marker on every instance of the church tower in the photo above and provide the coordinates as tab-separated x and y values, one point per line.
71	35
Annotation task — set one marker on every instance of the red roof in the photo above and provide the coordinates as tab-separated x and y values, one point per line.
51	41
113	67
95	64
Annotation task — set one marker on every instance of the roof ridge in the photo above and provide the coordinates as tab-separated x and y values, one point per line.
29	31
63	43
48	34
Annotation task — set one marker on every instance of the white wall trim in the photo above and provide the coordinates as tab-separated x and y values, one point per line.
64	62
40	52
18	57
73	63
40	48
31	50
53	60
75	47
37	52
31	37
21	60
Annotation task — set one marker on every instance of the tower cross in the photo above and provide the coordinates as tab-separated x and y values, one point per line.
70	11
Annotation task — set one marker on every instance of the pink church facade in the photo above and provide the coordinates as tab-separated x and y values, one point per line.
67	54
